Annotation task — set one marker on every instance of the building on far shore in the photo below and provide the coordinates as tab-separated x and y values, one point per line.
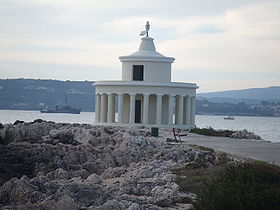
145	95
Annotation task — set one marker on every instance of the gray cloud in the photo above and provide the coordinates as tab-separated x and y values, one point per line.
84	38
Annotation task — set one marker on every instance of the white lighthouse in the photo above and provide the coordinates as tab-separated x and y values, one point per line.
145	95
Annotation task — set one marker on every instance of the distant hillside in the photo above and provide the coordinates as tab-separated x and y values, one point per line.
252	95
30	94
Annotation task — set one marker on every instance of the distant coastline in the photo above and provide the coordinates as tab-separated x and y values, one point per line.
36	94
263	109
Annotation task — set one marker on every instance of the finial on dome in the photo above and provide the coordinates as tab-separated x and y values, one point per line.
146	32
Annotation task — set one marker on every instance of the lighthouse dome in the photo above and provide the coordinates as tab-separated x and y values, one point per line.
147	52
146	64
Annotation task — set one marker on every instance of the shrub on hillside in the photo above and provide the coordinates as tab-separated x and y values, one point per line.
212	132
246	186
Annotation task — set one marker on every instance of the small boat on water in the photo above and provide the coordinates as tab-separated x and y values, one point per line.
229	118
62	109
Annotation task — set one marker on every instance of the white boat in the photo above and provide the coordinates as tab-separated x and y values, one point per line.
229	118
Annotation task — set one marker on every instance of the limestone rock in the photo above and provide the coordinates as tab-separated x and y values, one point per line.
244	134
58	174
94	179
65	203
109	205
24	132
134	206
47	165
113	172
62	136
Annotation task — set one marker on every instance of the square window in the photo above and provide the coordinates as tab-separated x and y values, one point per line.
138	72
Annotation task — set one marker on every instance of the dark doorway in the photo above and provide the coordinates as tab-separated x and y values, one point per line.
138	72
137	111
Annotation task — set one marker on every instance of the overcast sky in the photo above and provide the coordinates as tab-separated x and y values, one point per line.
218	44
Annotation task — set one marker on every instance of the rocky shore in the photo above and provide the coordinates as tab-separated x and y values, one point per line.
46	165
244	134
238	134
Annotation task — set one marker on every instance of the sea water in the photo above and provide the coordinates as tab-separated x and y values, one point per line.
267	127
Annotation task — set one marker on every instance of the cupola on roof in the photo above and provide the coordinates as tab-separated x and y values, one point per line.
147	51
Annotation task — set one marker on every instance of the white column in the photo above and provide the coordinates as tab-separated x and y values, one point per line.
188	110
103	108
110	108
120	108
176	112
193	111
180	110
159	109
97	108
114	109
146	108
132	109
170	109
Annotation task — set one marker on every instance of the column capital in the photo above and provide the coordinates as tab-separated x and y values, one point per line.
146	94
119	93
160	94
132	94
172	95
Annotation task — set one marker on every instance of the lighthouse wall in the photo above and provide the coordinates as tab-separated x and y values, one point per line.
159	72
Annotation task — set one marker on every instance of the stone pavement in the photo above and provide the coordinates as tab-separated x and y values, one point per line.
255	149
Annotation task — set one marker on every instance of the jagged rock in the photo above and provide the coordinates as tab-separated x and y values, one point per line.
134	206
139	141
109	205
169	177
24	132
109	130
139	132
79	173
98	133
62	136
84	136
94	141
18	192
66	203
58	174
18	122
113	172
13	164
94	179
82	192
38	121
244	134
47	165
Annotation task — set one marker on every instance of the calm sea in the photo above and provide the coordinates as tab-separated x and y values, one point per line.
267	127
